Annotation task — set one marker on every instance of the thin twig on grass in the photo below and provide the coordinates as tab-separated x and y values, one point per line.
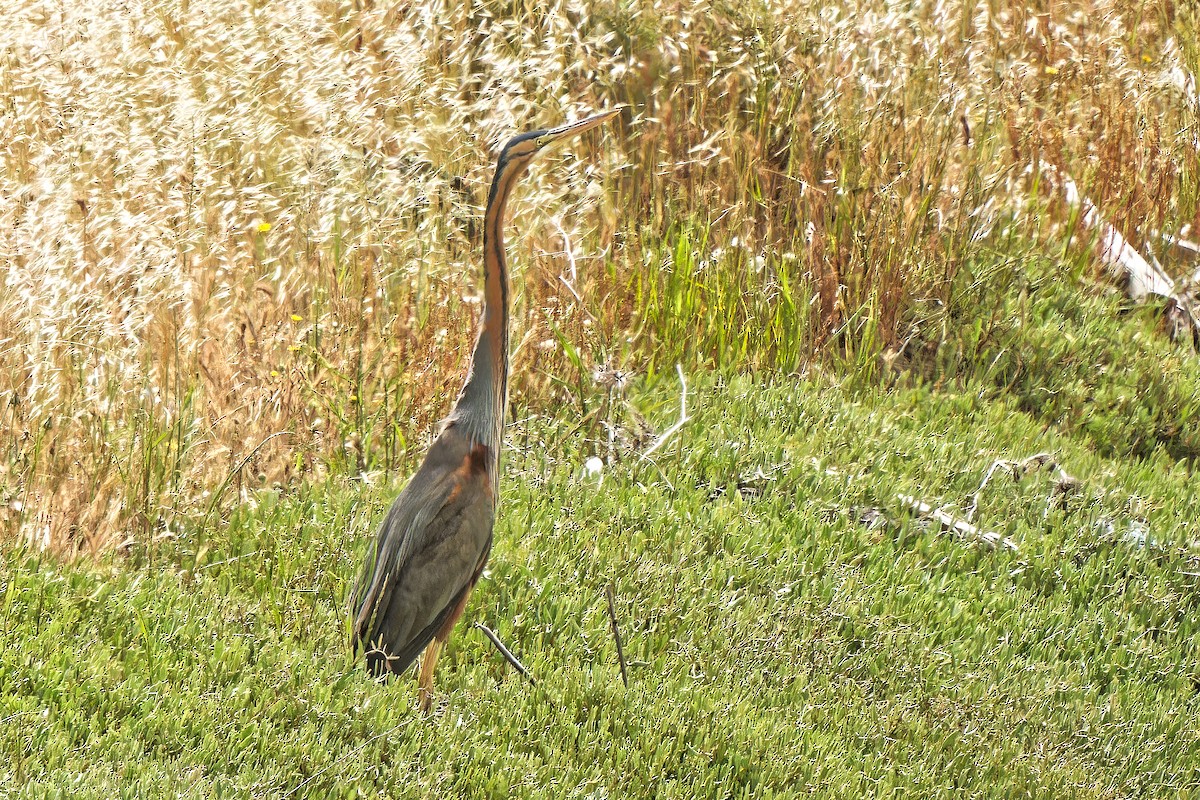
504	651
1189	247
569	252
683	416
1065	484
224	561
960	527
612	617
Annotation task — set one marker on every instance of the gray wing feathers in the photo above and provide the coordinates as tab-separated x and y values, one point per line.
401	533
411	609
429	549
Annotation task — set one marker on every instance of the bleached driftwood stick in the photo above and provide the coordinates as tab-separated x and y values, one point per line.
1121	259
1185	246
957	526
1142	276
1065	484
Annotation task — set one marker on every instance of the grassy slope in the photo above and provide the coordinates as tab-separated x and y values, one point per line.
775	644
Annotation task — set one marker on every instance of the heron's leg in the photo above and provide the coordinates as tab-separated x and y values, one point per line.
426	680
435	648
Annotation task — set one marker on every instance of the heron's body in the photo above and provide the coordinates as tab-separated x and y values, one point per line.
446	512
435	540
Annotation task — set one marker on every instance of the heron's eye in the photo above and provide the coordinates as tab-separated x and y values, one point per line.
542	141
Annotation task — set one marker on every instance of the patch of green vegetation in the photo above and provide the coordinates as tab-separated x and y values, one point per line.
776	646
1073	354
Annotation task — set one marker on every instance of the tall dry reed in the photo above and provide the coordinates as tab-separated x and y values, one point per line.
240	237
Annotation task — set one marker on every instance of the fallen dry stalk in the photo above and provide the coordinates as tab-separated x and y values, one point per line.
683	416
1065	484
960	527
964	527
1142	276
612	617
504	651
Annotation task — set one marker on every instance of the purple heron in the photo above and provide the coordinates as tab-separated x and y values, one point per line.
435	539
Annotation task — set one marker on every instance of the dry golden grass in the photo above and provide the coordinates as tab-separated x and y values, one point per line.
239	237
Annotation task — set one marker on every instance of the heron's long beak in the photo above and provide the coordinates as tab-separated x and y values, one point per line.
579	126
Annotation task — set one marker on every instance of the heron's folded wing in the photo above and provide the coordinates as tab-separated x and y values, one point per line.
408	529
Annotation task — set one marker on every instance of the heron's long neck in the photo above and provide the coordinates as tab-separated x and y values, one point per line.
479	411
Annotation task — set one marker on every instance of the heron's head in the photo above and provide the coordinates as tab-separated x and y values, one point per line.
521	150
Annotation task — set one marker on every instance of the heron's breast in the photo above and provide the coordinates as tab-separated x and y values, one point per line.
473	475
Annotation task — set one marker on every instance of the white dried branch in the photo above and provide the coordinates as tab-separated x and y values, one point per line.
1178	75
683	416
1016	469
1122	260
569	252
1192	249
959	527
1142	276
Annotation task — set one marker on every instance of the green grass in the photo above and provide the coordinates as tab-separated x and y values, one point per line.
776	647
